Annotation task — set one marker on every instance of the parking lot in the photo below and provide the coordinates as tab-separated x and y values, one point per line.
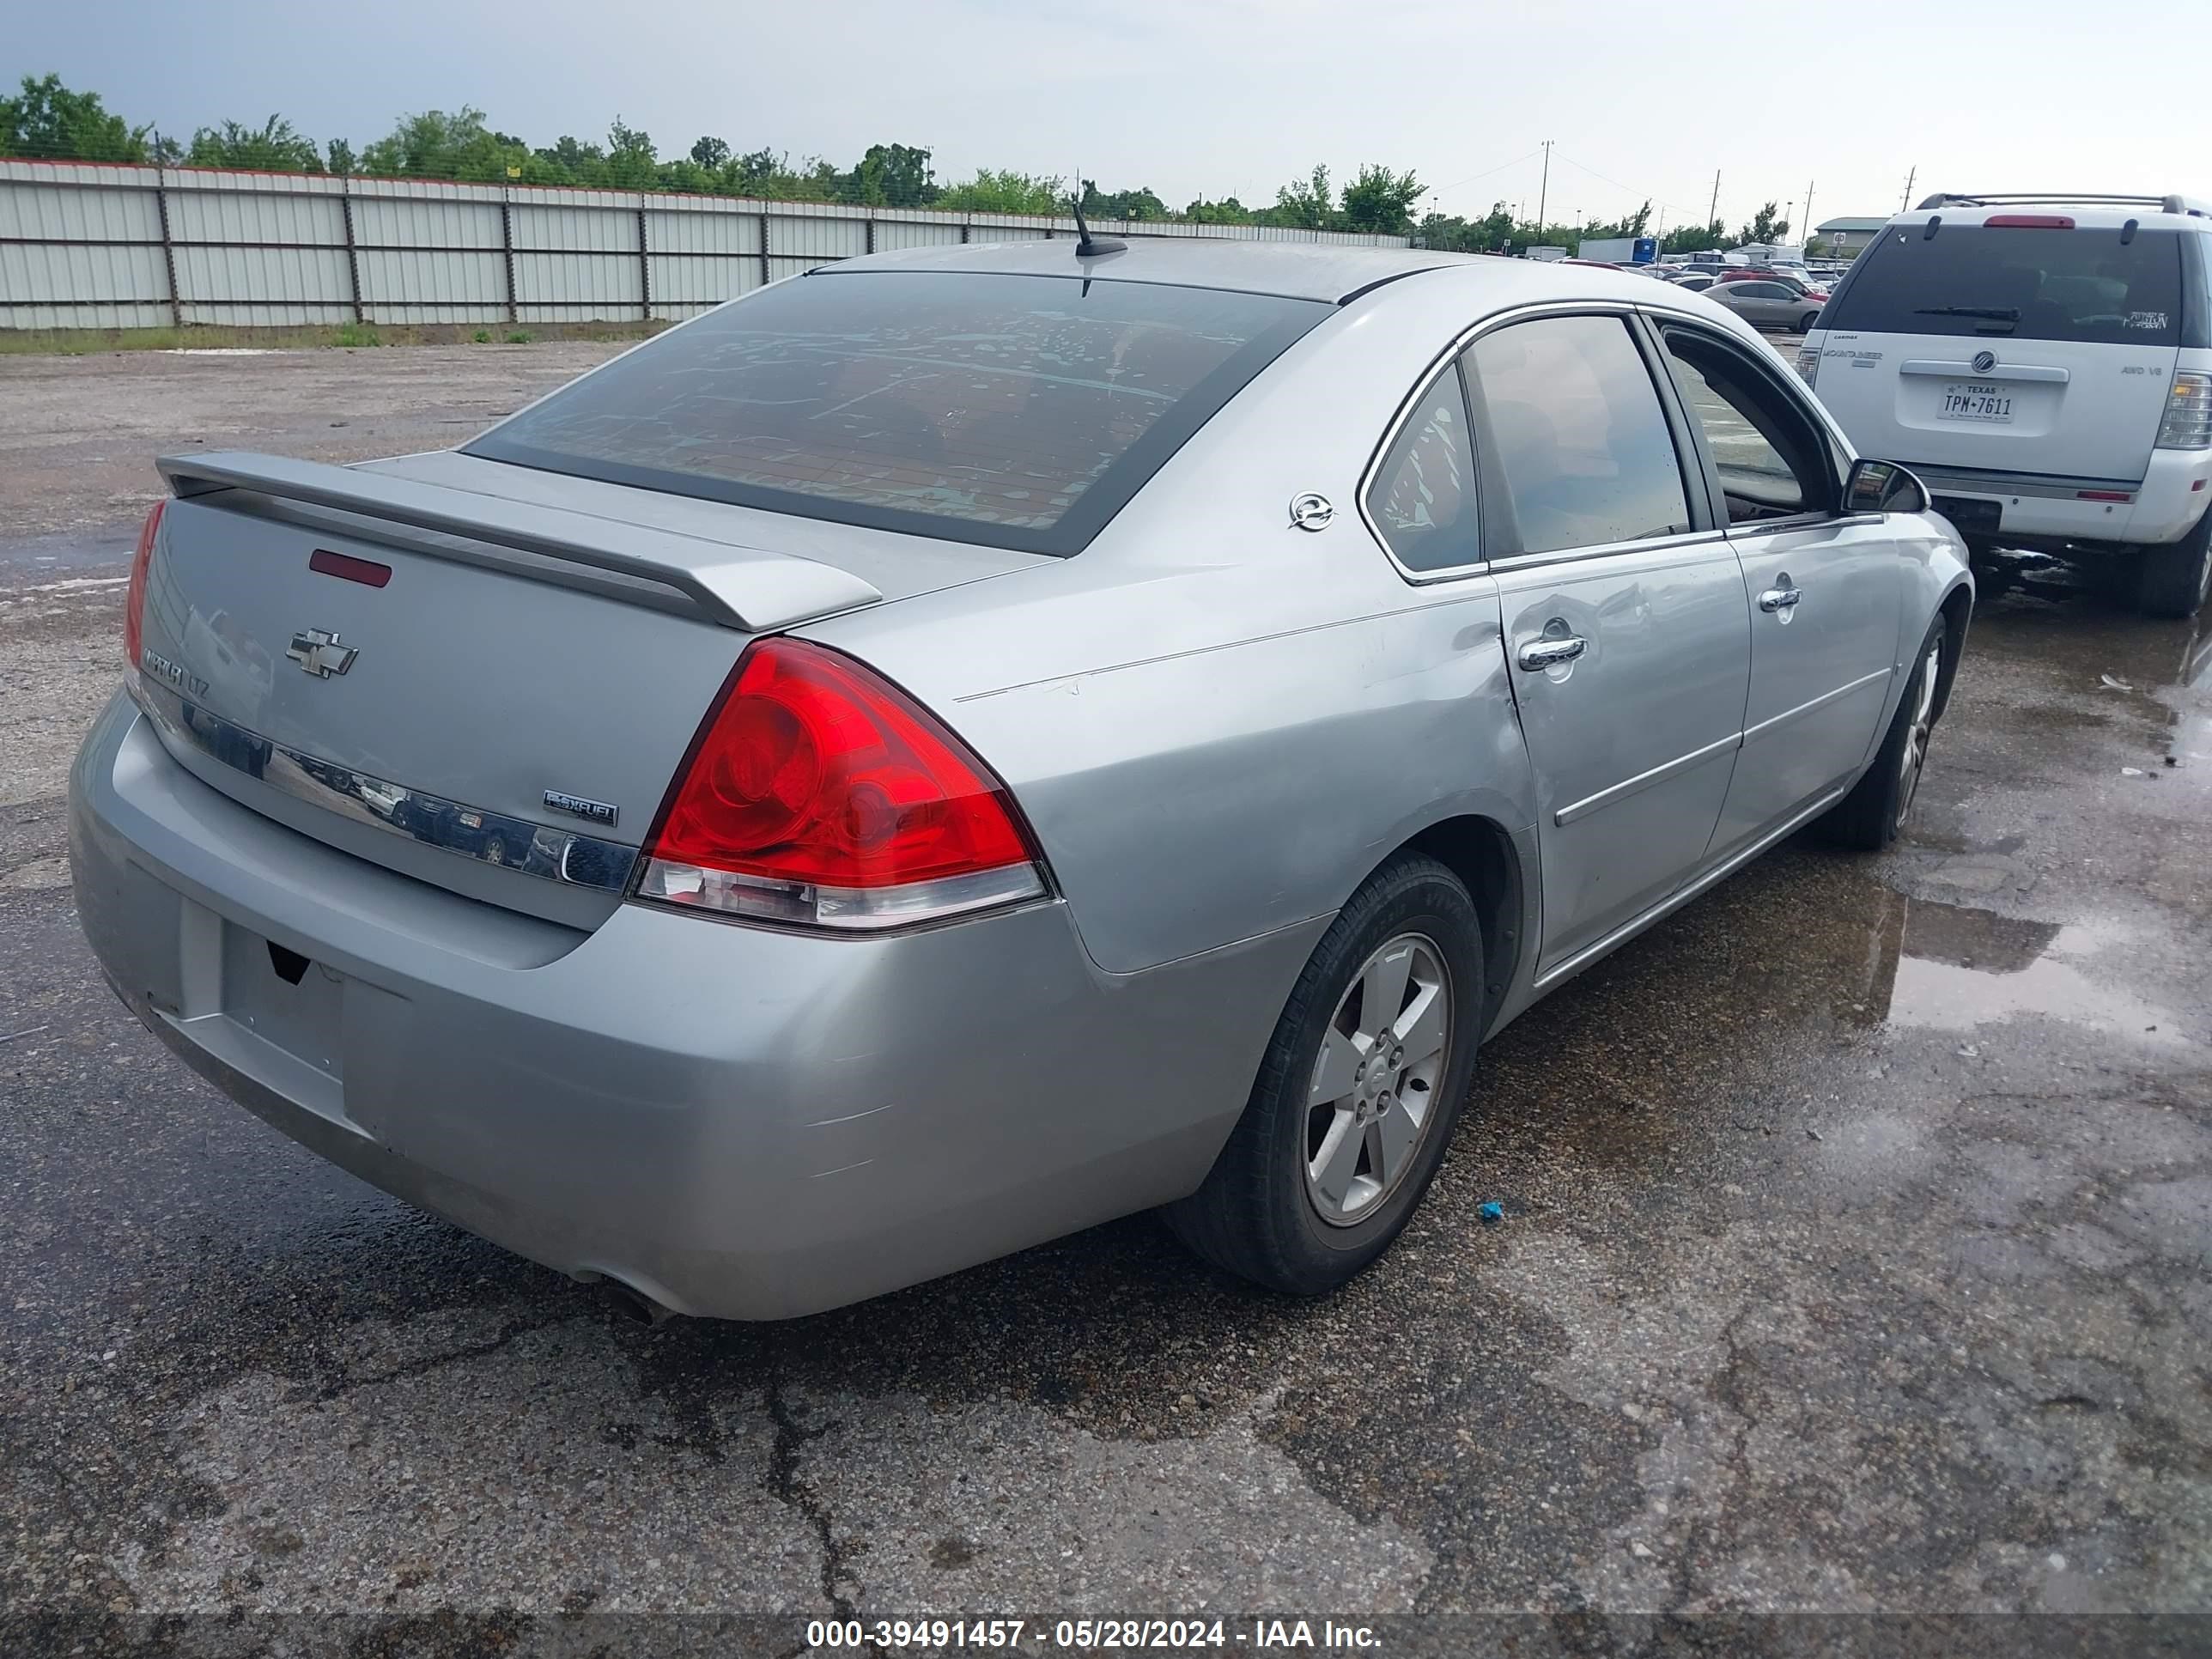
1856	1254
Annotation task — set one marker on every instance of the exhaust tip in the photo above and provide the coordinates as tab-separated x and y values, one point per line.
635	1304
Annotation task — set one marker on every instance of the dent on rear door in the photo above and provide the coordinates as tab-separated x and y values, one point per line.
1190	802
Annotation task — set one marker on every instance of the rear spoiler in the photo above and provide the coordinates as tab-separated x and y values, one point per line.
743	587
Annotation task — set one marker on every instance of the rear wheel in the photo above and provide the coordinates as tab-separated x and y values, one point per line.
1359	1091
1805	322
2173	581
1869	818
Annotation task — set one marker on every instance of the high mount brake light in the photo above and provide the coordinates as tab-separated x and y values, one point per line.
134	597
2027	221
818	794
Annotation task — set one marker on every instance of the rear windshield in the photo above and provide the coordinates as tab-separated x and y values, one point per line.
2027	283
1020	412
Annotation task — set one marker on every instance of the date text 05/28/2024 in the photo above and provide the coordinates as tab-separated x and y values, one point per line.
1088	1635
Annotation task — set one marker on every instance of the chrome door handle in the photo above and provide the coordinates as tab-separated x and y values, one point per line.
1536	655
1780	599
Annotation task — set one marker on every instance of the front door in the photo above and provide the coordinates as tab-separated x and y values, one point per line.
1624	620
1822	591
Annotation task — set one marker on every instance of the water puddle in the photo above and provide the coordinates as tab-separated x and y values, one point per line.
1955	969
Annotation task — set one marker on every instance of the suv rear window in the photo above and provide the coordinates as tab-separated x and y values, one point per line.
2025	283
1020	412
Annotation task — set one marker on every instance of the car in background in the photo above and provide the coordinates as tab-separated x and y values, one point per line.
1695	281
2044	362
1788	279
848	638
1769	302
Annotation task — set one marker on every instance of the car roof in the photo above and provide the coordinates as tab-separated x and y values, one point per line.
2089	211
1297	271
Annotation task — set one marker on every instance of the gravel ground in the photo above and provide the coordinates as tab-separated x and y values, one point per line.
1857	1258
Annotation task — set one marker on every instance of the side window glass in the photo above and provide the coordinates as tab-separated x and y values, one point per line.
1583	445
1423	498
1770	455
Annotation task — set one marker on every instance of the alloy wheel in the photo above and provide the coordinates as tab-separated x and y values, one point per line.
1915	757
1372	1096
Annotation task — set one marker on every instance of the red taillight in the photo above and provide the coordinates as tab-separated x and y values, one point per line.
2027	221
817	792
134	597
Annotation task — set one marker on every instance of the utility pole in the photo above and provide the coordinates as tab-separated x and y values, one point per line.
1805	230
1543	191
1713	212
1909	178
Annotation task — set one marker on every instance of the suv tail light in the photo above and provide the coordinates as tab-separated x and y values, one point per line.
818	793
2187	423
1809	363
134	598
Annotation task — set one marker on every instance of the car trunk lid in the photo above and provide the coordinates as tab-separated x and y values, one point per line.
469	672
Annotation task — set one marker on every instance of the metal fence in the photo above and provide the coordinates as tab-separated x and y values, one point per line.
92	246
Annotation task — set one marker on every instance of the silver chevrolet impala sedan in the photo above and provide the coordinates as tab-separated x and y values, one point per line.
973	742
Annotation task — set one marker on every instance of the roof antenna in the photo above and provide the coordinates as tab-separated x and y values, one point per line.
1088	247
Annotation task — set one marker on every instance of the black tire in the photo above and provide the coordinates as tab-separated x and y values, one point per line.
2174	580
1805	322
1868	819
1255	1215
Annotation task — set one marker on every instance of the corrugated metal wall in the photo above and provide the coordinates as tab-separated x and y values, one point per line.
87	246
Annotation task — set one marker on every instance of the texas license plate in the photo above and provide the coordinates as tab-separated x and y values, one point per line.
1968	400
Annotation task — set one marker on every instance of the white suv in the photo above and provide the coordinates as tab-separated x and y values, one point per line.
2045	364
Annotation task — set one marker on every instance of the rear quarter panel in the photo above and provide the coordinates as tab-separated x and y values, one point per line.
1218	723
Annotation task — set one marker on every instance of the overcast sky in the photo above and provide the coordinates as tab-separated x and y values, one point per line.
1233	96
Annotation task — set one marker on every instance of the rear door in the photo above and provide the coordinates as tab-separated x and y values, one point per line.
2021	344
1624	618
1821	589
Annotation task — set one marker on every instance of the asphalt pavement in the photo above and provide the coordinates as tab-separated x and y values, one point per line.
1856	1256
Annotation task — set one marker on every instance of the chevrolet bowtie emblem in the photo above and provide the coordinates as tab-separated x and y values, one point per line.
320	653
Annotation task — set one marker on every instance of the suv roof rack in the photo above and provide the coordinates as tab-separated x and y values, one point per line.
2182	204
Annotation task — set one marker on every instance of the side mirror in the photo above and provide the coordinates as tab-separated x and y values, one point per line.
1883	487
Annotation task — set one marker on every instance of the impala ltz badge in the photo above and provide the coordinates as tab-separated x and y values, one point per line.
320	653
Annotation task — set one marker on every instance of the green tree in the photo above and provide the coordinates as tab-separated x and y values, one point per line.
1765	226
632	162
1491	233
48	120
436	145
711	154
1226	211
1138	203
1309	203
1693	238
890	175
276	146
1003	193
1381	202
341	156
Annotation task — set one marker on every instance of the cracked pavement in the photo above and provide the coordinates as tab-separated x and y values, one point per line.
1858	1255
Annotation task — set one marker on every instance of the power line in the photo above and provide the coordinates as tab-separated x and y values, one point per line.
1473	177
1617	184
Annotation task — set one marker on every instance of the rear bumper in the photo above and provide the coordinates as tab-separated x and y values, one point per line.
736	1121
2035	510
